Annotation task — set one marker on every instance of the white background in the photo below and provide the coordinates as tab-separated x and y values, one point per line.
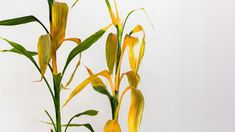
187	73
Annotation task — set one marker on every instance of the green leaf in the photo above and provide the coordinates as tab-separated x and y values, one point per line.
89	113
13	50
75	3
22	51
52	121
50	2
22	20
83	46
88	126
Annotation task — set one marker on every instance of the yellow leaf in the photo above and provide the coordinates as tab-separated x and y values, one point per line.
131	43
141	53
133	79
137	29
58	24
135	111
76	40
44	44
82	85
111	51
115	19
96	81
112	126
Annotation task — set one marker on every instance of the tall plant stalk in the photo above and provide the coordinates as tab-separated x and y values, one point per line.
48	46
116	45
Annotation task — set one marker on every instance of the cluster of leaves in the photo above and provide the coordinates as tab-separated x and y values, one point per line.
116	45
48	44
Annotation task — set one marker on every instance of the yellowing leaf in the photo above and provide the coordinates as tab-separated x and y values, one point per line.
112	126
141	53
137	29
133	79
115	19
58	24
76	40
82	85
44	44
73	74
135	111
111	51
96	81
131	43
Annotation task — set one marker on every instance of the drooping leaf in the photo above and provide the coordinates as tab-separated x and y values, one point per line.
22	51
85	45
112	126
52	121
137	29
21	20
87	125
76	40
88	113
13	50
141	54
133	78
44	46
73	74
111	51
131	42
141	51
98	84
136	110
58	24
83	84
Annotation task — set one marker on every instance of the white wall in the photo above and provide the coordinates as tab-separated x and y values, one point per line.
187	73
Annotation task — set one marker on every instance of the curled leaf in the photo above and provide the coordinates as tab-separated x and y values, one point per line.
135	111
133	79
111	51
82	85
131	43
76	40
98	84
112	126
44	44
59	16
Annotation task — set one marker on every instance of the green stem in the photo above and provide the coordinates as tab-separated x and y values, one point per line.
57	82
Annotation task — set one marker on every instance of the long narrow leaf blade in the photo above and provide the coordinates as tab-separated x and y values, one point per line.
13	50
22	51
85	45
87	125
21	20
